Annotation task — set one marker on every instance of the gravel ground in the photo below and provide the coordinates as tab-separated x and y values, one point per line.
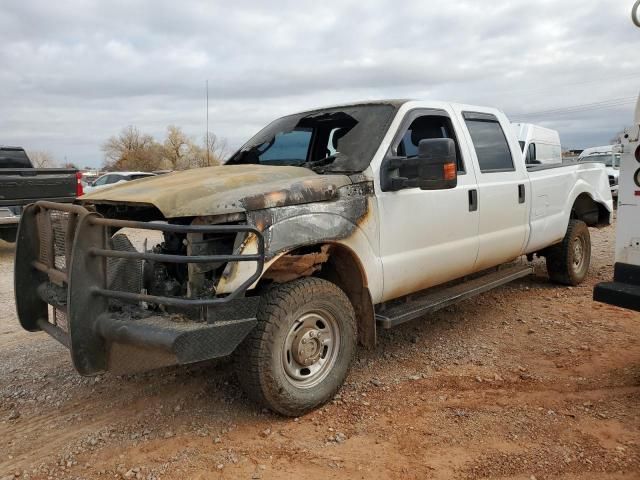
528	381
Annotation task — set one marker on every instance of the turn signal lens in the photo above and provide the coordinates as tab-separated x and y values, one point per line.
450	171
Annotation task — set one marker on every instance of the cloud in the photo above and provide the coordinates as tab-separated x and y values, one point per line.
75	72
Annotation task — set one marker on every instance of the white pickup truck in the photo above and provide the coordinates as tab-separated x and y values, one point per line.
324	225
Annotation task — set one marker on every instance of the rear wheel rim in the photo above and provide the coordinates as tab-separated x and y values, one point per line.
311	348
579	253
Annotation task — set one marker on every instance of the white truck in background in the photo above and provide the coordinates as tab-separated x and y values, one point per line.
324	226
610	156
540	145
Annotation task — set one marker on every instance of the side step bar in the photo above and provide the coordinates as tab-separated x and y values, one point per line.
431	301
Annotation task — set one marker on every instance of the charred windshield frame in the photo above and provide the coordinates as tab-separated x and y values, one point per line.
343	139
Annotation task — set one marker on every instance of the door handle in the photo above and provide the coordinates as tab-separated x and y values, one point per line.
473	200
521	193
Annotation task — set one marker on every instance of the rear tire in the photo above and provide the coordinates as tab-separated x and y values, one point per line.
300	352
568	262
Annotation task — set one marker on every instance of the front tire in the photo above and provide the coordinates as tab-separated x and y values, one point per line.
300	352
568	262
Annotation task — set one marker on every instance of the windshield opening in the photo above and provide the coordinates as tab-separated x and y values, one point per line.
342	139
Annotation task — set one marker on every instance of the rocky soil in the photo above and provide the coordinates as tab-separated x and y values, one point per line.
529	381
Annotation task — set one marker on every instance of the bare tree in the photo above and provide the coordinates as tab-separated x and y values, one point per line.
176	147
41	159
218	149
132	150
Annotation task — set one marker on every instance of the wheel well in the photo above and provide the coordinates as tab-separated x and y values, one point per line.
337	264
589	211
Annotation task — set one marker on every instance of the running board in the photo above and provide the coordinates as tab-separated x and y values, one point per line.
432	301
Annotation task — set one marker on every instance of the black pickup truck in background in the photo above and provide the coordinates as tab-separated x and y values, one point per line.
21	184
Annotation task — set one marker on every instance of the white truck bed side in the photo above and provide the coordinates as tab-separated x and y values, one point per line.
553	193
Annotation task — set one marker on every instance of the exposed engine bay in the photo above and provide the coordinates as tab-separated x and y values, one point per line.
169	279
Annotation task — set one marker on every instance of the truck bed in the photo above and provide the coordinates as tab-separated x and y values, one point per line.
553	191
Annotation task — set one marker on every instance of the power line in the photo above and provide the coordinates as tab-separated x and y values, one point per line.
583	106
604	104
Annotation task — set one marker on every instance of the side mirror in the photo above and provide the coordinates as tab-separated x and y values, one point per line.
435	167
439	168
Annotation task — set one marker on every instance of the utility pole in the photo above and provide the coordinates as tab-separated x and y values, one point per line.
207	134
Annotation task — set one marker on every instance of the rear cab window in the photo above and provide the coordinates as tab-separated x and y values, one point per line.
14	158
490	142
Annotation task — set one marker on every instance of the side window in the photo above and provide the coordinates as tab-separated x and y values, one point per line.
287	148
113	179
102	180
490	143
427	127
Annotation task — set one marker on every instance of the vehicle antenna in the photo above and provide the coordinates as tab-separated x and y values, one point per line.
207	134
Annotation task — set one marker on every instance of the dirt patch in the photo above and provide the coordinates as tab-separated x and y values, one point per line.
528	381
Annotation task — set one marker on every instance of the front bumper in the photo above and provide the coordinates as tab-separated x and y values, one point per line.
61	287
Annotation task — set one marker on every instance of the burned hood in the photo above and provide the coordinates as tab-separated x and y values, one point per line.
223	189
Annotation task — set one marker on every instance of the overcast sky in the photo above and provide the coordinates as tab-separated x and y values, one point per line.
74	72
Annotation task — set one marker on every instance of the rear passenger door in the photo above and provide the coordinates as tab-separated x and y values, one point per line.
503	190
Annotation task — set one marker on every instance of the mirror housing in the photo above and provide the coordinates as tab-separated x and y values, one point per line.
435	167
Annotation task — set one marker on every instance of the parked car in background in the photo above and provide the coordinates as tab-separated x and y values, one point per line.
110	179
90	176
610	156
21	184
540	145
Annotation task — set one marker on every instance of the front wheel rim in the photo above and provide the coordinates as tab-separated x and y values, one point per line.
311	348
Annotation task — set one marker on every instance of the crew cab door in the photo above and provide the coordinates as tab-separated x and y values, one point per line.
503	188
428	237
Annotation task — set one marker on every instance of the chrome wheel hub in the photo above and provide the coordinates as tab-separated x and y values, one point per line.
310	349
578	253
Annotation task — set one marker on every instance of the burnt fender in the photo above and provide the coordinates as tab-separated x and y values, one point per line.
310	229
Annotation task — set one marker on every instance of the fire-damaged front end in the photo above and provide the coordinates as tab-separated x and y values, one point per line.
169	271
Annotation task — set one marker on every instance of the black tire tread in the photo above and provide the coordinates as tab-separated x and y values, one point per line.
557	256
251	357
